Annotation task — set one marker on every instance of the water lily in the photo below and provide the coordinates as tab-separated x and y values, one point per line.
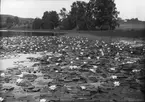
129	62
1	99
102	53
66	47
114	77
52	87
120	49
49	57
95	67
59	59
19	80
71	67
2	74
77	58
93	70
83	87
56	71
57	64
68	88
116	83
63	49
112	69
81	53
89	57
42	100
75	67
116	58
98	57
45	51
85	62
135	70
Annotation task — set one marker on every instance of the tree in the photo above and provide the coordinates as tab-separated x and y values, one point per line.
9	22
81	15
104	12
50	20
67	24
45	20
133	20
37	23
65	20
78	14
16	20
63	14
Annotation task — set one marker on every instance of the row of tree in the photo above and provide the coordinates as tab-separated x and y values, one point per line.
12	21
50	20
101	14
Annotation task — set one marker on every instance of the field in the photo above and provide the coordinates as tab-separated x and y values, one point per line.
82	66
132	26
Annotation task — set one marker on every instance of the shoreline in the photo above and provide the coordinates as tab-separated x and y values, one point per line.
107	33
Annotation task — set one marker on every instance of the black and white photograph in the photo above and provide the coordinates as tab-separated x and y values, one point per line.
72	50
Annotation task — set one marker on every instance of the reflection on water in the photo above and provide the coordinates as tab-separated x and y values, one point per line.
18	60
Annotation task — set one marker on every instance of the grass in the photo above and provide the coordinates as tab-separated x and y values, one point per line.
131	26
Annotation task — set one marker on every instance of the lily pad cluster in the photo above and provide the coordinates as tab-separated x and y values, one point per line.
74	69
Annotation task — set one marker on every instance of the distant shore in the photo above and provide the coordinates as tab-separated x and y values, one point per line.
112	33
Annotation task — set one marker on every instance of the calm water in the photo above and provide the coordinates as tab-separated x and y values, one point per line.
10	61
5	33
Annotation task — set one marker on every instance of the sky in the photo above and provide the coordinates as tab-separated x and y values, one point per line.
35	8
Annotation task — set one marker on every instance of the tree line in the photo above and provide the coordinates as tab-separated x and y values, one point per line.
14	22
9	22
96	14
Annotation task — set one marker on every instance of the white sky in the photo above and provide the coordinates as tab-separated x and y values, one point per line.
36	8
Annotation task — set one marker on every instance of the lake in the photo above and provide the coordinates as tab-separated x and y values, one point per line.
16	45
74	66
28	33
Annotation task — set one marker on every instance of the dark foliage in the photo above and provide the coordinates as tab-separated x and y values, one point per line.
100	14
16	20
50	20
105	14
37	23
67	23
9	22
